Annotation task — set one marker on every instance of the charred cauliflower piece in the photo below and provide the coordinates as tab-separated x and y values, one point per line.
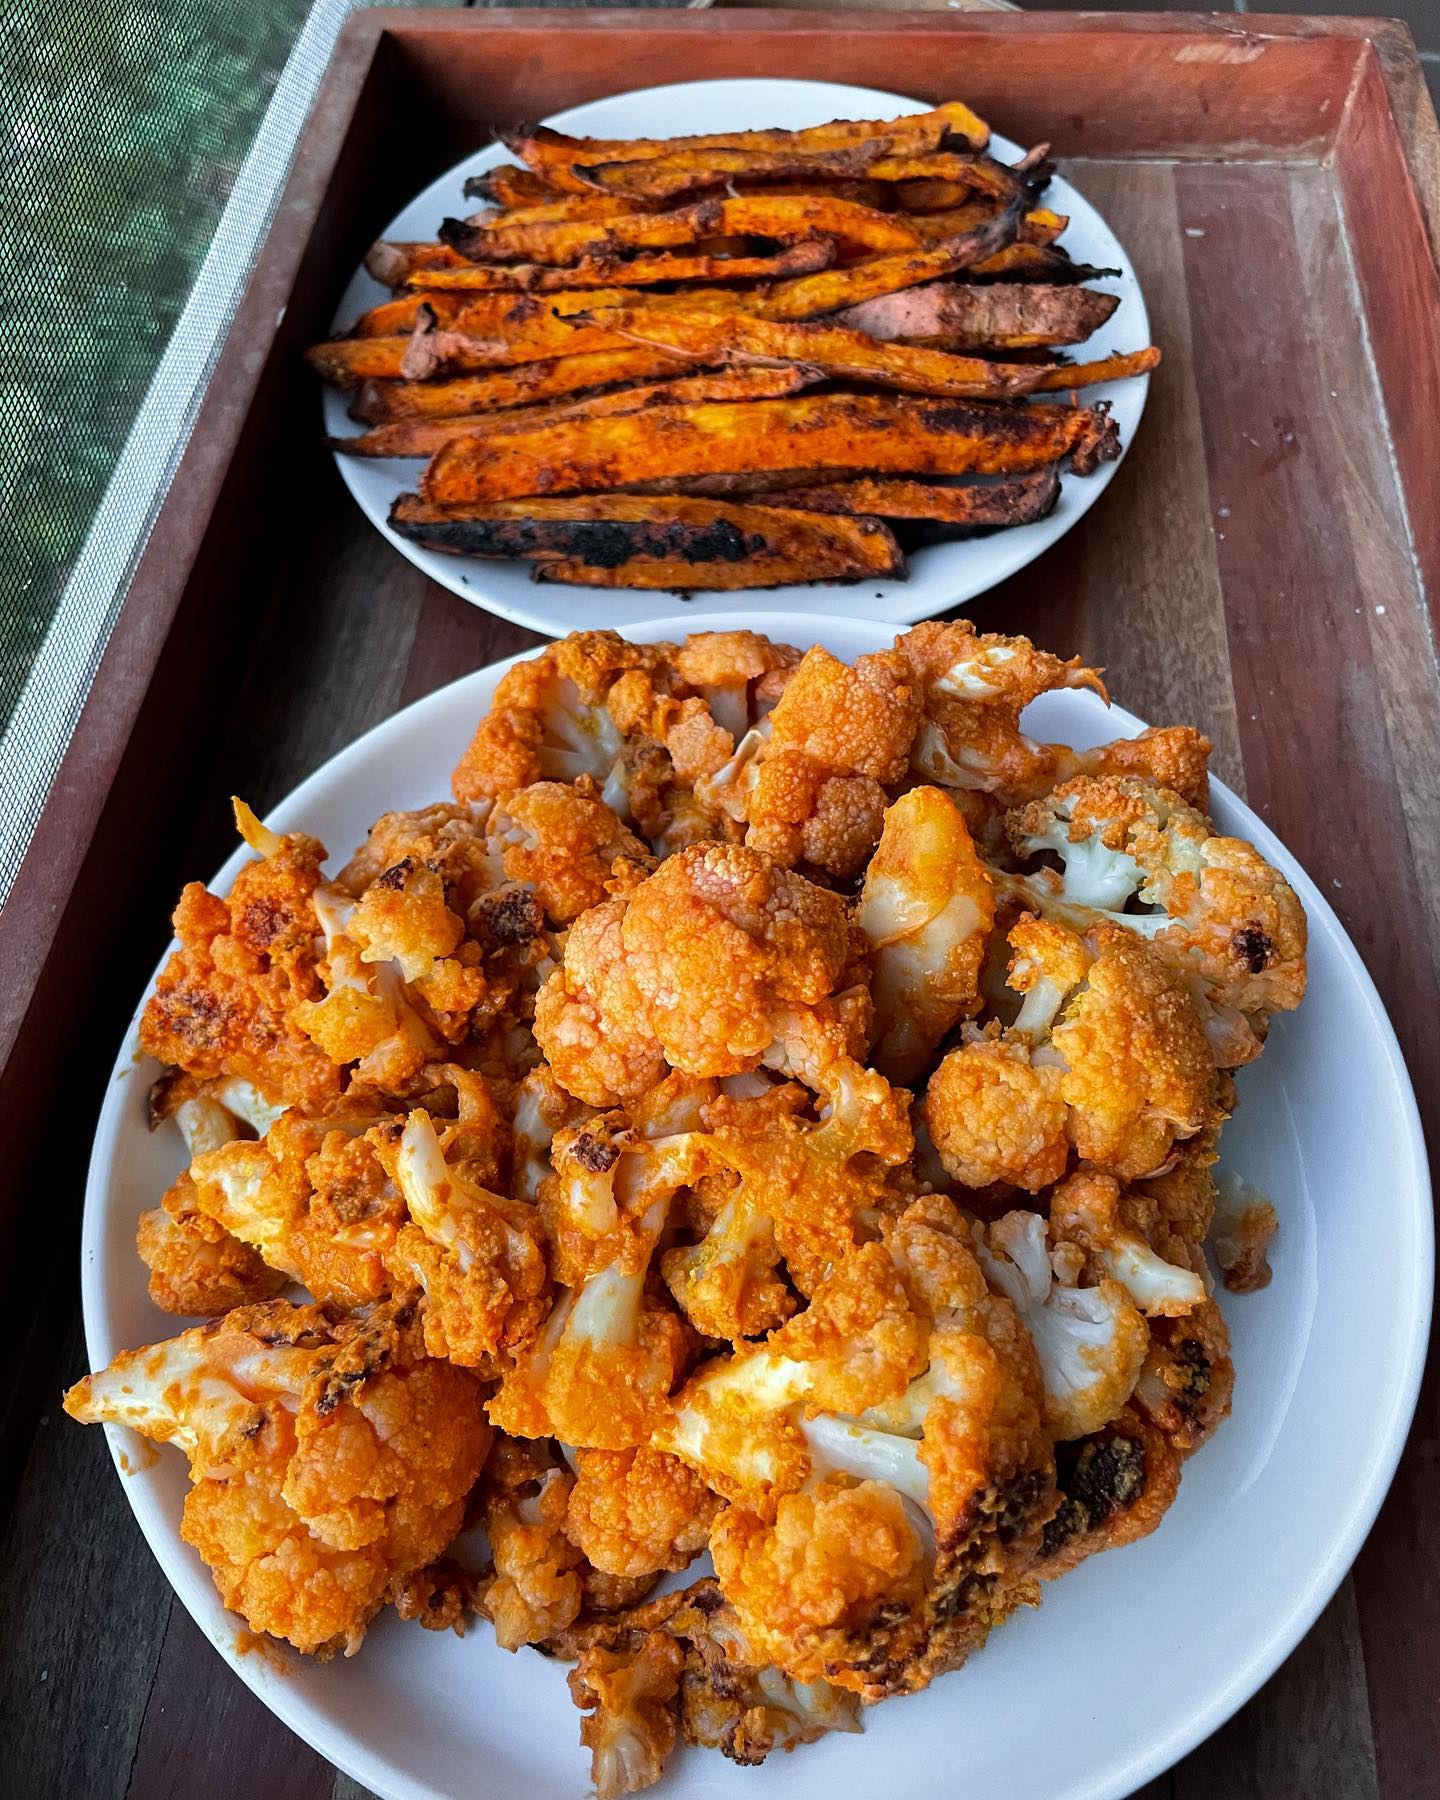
330	1456
717	963
224	1003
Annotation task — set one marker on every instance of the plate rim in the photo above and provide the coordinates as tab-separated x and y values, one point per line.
909	605
1251	1670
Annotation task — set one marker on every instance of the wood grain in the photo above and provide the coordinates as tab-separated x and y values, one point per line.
1263	565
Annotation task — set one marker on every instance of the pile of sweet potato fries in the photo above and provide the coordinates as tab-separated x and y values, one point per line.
734	361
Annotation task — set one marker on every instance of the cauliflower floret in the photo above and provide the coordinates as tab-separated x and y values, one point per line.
973	688
313	1201
1170	756
224	1003
837	736
548	720
196	1267
475	1255
1188	1378
995	1115
562	841
599	1375
402	918
330	1457
713	965
928	907
1244	1225
796	1190
541	1107
1220	913
629	1700
1089	1210
537	1588
446	838
1091	1341
734	673
636	1512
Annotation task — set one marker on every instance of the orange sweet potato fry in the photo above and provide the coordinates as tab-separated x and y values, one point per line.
805	297
642	271
1038	226
622	540
977	173
829	434
995	316
520	385
392	264
1016	501
423	432
783	216
843	353
688	171
508	186
541	148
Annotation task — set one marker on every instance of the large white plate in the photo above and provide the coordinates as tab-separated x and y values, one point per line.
940	576
1133	1658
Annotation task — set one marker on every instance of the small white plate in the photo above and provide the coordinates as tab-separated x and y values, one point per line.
940	576
1133	1658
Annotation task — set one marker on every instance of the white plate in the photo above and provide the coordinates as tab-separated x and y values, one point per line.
940	576
1133	1658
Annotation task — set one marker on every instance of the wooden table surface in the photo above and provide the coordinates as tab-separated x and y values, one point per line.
1309	658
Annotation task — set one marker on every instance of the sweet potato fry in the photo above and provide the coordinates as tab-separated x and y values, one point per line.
539	147
714	543
1120	367
827	433
392	264
843	353
569	208
509	186
749	215
518	386
421	433
1038	226
805	297
1002	316
483	315
1037	262
979	505
795	259
665	177
976	173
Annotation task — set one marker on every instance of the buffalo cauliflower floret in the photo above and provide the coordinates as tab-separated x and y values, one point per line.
1170	756
717	963
1219	912
541	1107
996	1115
224	1003
537	1588
1186	1384
1091	1341
446	838
629	1699
562	841
928	908
475	1255
1244	1225
548	719
636	1512
1091	1210
196	1267
786	1187
839	734
974	687
330	1456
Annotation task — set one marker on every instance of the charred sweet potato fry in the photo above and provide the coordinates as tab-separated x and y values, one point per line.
782	216
1037	262
1109	368
1002	316
1038	226
567	208
509	186
642	271
976	173
828	434
805	297
480	315
665	177
421	433
979	505
717	544
540	148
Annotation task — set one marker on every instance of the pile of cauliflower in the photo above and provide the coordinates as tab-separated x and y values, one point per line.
770	1110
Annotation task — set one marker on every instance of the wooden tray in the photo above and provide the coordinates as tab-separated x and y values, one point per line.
1261	567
